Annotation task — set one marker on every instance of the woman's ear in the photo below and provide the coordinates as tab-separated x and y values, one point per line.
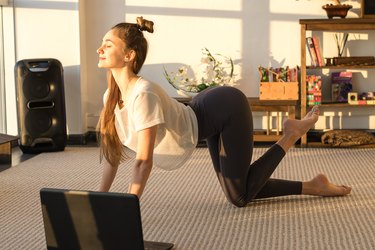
129	56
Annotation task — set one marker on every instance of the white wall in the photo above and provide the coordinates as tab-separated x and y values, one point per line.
50	29
99	17
252	32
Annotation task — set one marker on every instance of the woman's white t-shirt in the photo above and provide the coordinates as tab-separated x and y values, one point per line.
149	105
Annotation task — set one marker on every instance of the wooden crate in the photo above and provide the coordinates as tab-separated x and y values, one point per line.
278	91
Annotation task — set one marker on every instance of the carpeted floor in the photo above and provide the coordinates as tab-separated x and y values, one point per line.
187	206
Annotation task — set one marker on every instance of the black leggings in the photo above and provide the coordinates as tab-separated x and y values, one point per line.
225	120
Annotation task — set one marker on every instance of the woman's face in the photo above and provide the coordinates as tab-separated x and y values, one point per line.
111	52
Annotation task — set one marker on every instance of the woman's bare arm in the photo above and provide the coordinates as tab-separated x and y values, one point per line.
143	162
108	175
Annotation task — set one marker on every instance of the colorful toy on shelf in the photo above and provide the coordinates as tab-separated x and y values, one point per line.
341	86
314	90
365	98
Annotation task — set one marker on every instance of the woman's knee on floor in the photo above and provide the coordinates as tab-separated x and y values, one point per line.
238	202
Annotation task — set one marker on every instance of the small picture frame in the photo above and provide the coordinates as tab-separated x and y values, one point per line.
367	8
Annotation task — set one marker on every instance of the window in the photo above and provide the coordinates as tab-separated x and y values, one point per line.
8	112
2	78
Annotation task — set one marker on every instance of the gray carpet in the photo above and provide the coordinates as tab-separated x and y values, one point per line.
187	206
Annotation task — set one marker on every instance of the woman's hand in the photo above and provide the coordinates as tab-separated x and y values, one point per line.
143	162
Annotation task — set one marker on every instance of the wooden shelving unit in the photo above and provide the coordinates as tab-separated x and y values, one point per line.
342	67
344	24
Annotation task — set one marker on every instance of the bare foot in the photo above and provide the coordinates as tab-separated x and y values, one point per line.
297	128
294	129
320	186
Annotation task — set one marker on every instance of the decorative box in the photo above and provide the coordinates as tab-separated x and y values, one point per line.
278	91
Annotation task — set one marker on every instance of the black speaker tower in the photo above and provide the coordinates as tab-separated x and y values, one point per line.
40	105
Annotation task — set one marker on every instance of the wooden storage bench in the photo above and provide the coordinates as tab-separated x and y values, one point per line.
269	106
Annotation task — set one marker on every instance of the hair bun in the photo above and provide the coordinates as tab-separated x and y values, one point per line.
144	24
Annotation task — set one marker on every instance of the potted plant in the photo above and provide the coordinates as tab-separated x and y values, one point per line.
215	69
337	9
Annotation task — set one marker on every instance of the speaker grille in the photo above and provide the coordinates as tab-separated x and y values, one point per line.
38	121
35	86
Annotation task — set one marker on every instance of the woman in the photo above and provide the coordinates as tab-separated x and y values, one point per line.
139	114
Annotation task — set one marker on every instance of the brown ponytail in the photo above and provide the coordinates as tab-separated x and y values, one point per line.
110	145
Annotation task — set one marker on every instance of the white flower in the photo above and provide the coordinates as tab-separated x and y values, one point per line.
205	60
182	71
211	72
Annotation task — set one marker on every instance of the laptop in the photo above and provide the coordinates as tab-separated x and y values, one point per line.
76	219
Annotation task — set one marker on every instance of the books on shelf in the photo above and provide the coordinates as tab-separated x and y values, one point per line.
311	50
315	51
341	86
314	90
318	51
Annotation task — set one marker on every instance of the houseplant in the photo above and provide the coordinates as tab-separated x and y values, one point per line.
214	69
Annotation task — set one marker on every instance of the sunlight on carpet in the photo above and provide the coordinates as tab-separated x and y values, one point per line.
188	208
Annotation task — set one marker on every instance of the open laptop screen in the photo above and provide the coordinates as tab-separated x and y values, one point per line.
91	220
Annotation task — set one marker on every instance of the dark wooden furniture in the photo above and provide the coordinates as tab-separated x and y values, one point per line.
6	148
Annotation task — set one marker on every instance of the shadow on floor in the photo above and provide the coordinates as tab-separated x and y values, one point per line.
17	157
